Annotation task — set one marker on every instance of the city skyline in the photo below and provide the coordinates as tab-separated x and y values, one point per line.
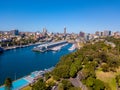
76	15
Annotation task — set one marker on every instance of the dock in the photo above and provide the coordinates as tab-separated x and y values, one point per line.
54	46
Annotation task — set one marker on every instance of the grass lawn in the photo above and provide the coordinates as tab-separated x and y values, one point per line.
107	77
50	81
26	88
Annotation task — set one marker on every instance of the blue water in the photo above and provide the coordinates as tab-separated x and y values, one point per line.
23	61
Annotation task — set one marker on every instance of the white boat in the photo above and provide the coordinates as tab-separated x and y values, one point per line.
72	47
50	46
56	48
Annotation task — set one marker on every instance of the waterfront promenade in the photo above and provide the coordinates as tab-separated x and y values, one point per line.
21	46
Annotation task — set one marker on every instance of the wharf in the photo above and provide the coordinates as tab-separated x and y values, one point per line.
50	46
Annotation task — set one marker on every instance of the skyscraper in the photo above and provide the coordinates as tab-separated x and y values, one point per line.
14	32
44	31
110	33
97	33
64	30
81	34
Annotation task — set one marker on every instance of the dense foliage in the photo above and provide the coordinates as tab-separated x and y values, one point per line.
118	80
93	56
40	85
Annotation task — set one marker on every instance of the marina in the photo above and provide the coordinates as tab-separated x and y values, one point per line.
55	46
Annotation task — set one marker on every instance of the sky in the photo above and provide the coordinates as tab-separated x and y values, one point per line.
76	15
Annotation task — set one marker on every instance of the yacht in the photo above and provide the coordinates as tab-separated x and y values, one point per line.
72	47
55	46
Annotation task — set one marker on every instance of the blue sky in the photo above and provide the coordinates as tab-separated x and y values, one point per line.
76	15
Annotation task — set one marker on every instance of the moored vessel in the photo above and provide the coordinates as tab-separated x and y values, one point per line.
50	46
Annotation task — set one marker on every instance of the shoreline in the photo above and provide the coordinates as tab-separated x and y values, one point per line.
30	72
45	71
22	46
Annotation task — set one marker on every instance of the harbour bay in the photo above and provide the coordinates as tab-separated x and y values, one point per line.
20	62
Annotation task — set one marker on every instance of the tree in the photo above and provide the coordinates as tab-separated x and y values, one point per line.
73	70
98	85
60	86
8	84
66	84
118	80
75	88
105	67
90	81
40	85
56	78
61	71
47	76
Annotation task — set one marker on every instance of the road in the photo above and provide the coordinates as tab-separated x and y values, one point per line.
77	83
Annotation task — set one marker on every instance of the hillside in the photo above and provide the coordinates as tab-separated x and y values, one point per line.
95	62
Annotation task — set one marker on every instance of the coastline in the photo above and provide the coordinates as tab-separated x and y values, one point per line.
44	71
30	72
22	46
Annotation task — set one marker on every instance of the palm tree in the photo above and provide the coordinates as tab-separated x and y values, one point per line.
8	84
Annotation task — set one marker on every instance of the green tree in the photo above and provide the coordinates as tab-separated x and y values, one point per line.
66	84
39	85
8	84
118	80
75	88
73	70
90	81
98	85
105	67
47	76
60	86
61	71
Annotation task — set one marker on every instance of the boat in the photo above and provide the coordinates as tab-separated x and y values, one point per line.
72	48
56	48
39	49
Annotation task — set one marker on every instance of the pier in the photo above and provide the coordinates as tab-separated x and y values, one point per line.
50	46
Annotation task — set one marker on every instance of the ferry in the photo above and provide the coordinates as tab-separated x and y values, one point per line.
50	46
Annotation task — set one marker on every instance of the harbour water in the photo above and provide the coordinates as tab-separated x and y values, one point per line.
19	62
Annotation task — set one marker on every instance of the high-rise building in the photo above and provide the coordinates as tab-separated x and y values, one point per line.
81	34
14	32
107	33
97	33
44	30
64	30
101	33
87	36
110	33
